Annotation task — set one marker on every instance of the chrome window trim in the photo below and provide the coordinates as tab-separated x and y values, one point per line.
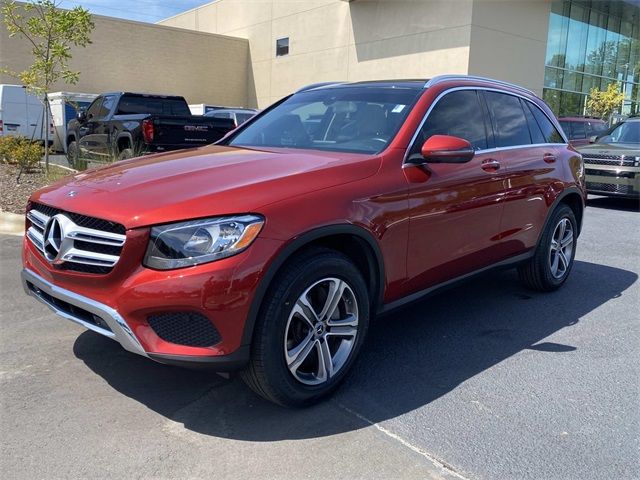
486	89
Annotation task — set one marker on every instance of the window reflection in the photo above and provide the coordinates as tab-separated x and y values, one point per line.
592	43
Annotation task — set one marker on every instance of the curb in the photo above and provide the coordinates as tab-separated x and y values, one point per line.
11	223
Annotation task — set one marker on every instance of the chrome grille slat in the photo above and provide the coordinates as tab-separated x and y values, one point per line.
38	218
613	160
80	248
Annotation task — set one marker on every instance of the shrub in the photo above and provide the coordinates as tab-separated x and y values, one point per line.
20	151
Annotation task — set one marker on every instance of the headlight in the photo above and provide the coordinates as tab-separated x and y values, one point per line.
200	241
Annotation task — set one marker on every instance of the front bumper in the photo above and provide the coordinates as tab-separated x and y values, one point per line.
620	181
82	310
108	322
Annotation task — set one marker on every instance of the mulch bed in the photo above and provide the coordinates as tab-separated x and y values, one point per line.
13	195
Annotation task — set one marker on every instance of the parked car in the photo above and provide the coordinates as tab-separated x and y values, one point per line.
271	251
582	130
122	125
238	115
22	114
613	163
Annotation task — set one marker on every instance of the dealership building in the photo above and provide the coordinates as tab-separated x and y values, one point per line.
253	52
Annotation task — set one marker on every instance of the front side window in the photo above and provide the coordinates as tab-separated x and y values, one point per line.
344	119
510	124
94	109
457	114
626	132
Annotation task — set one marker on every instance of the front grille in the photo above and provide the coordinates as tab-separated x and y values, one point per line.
613	160
185	328
75	242
610	174
611	188
69	309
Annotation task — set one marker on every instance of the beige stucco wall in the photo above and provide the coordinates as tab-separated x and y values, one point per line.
509	40
149	58
338	40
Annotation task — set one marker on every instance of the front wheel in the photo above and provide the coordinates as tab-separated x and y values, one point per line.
551	264
312	326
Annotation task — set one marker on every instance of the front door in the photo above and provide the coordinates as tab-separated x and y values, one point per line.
455	209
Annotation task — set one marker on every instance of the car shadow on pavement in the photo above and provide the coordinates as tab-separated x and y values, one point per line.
614	203
412	357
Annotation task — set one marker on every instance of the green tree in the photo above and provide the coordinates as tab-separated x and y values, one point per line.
51	33
603	103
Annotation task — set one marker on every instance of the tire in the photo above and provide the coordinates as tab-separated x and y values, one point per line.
550	267
125	154
72	154
286	350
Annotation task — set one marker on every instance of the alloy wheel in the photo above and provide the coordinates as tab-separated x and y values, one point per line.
321	331
561	251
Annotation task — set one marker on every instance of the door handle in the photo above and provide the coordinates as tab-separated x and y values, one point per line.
490	165
549	157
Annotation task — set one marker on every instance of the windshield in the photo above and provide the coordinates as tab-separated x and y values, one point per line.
347	119
627	132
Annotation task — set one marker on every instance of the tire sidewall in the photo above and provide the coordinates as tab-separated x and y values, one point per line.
279	310
560	213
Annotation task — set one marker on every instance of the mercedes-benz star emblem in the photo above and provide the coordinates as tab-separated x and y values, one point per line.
72	193
53	235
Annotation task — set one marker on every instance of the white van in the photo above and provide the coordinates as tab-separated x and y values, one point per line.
21	113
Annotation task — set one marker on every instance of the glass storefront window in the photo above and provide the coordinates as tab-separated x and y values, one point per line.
591	44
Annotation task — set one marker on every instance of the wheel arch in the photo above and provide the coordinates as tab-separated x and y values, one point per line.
354	241
122	140
574	199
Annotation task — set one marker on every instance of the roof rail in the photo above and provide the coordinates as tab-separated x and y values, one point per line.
443	78
316	85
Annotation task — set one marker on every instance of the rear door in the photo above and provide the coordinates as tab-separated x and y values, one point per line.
455	209
529	149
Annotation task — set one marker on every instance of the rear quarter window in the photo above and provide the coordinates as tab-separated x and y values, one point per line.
551	134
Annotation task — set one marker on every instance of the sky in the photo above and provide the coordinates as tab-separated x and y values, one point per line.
140	10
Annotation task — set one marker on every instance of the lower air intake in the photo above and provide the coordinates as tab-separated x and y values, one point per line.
185	328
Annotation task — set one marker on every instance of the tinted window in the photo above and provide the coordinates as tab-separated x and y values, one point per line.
282	47
550	132
130	105
107	105
596	128
344	119
94	108
243	117
221	115
578	130
510	123
458	114
536	133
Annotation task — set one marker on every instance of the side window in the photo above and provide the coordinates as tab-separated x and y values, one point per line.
94	109
551	135
458	114
107	105
222	115
536	133
578	130
510	123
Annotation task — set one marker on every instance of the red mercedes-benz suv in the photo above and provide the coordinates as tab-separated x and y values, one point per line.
271	251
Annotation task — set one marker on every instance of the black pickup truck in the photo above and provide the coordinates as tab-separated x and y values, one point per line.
123	125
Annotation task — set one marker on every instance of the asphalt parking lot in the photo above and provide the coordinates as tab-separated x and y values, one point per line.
484	381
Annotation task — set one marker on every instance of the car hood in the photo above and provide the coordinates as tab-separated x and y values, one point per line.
202	182
632	149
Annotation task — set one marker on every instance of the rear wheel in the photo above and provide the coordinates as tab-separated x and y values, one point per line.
311	329
125	154
551	264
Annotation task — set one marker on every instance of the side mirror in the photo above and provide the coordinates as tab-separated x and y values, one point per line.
593	139
443	149
81	115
